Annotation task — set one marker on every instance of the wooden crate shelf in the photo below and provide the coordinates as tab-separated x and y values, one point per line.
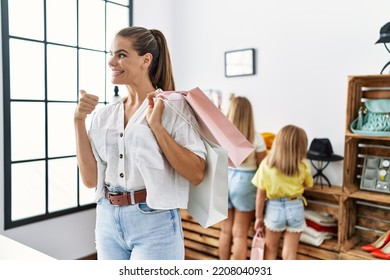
326	251
366	213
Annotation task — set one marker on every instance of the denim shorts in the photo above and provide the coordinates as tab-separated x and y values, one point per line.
242	193
283	214
138	232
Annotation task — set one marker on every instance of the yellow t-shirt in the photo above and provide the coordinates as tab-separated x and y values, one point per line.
278	185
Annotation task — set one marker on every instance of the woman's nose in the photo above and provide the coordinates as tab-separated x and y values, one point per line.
111	61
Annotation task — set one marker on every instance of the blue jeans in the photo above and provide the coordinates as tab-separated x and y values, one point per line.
285	214
138	232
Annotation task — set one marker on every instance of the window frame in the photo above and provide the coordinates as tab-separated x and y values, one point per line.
8	223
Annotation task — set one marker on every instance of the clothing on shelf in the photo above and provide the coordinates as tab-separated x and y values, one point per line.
319	227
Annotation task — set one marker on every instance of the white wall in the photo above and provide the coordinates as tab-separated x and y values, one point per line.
305	51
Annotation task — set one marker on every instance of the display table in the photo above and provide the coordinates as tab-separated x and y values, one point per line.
13	250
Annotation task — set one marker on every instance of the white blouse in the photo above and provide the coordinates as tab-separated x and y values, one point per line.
130	157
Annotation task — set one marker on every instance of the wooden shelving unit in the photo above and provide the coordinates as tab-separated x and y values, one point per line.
367	213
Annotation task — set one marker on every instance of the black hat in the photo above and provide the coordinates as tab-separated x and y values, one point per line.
321	149
384	34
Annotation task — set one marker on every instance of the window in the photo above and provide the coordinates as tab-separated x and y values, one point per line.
51	49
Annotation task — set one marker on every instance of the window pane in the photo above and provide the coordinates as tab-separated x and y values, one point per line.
26	18
61	73
91	24
57	13
62	184
27	130
61	135
117	18
28	190
92	72
27	70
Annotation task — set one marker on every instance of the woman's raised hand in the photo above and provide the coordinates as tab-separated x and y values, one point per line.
86	105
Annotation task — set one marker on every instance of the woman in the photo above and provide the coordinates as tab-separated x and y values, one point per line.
242	194
140	156
281	179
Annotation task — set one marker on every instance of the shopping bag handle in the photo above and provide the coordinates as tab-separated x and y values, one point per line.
260	232
160	92
162	95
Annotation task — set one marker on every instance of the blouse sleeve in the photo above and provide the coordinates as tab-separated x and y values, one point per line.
260	178
259	143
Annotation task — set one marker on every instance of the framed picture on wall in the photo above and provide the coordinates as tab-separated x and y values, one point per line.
240	62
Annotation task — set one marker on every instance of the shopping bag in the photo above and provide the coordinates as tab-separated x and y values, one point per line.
258	246
208	201
216	127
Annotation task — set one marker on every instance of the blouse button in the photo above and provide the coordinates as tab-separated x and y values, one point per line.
120	156
121	175
121	134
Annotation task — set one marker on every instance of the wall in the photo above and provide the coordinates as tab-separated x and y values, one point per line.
305	51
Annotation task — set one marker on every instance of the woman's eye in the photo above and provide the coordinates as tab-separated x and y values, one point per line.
121	55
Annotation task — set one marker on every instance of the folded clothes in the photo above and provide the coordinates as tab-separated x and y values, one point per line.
317	234
320	218
322	228
316	241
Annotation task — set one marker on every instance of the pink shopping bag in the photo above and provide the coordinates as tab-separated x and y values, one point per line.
216	127
258	244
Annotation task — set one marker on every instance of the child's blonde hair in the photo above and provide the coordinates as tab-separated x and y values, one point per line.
241	115
288	150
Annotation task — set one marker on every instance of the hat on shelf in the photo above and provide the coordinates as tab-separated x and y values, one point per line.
321	149
384	34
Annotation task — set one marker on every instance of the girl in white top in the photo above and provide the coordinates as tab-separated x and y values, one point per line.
140	156
242	194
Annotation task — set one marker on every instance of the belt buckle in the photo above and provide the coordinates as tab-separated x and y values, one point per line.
294	198
114	193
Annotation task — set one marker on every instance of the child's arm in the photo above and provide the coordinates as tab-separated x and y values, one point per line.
260	201
309	177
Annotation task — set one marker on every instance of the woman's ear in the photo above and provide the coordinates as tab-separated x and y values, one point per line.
147	59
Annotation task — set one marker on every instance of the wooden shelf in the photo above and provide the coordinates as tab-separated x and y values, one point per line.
328	250
333	190
371	196
349	134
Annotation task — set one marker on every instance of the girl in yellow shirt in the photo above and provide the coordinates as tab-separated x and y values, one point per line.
281	178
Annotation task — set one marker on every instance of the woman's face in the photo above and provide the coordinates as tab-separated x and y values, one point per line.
126	65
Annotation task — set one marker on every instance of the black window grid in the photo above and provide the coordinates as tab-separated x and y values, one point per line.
8	223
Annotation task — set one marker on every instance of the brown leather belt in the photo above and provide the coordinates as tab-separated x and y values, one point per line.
126	198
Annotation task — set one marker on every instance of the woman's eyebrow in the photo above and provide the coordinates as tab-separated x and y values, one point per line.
120	50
